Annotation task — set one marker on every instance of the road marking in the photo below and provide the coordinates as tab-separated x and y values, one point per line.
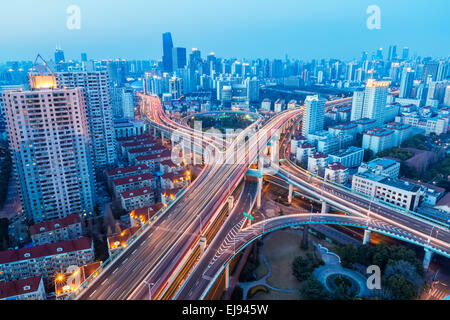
134	251
125	260
92	293
104	281
115	270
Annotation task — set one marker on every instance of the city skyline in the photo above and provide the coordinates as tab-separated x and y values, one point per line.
319	28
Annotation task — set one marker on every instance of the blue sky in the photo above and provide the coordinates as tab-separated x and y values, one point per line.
302	29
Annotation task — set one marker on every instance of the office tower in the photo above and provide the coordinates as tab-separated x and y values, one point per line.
236	68
405	53
430	68
351	67
195	59
375	96
118	72
276	68
59	56
167	52
357	105
211	63
314	117
364	56
252	89
392	53
406	83
442	70
380	54
84	57
178	58
97	96
49	140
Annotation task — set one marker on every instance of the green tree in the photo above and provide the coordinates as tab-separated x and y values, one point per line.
302	268
402	289
313	289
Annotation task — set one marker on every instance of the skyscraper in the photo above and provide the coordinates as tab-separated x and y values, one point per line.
406	83
314	117
167	52
375	96
49	139
405	53
178	58
99	112
59	56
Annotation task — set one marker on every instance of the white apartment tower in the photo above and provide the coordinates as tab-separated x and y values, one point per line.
49	140
314	117
99	112
371	102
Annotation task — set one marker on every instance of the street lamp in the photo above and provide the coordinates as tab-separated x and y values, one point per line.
429	237
150	285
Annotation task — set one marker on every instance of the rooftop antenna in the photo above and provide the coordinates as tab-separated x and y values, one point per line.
40	68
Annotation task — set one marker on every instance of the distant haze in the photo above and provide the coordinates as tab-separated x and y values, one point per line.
302	29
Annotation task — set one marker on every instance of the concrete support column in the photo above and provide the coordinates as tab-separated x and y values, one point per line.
203	243
154	133
305	235
227	276
324	207
259	193
291	191
367	234
162	137
427	258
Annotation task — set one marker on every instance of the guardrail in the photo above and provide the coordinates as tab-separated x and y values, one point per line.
129	242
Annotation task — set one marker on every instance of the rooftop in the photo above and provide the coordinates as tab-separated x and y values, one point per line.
336	166
45	250
125	170
384	162
19	287
136	192
131	179
55	224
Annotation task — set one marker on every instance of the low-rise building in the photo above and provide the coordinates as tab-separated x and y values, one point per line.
119	173
394	191
304	151
153	161
129	127
133	182
350	158
382	166
140	216
118	241
344	129
69	281
45	260
402	132
172	180
378	139
336	172
279	105
317	163
266	105
137	198
23	289
67	228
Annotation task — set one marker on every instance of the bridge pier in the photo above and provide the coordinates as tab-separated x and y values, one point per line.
230	202
154	133
427	258
367	234
202	243
305	236
291	191
324	207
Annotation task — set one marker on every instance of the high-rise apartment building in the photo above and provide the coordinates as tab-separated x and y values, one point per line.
99	112
49	139
314	117
371	102
406	83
